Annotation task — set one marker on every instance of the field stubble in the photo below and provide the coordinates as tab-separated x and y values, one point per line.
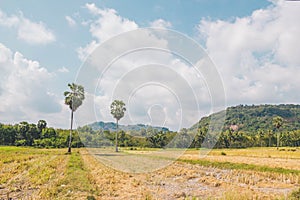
51	174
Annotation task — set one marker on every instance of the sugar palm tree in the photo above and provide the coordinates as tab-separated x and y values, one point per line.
73	99
117	109
277	123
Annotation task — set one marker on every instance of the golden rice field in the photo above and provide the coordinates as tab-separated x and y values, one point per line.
255	173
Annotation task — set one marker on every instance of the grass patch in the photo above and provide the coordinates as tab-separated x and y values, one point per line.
77	180
295	194
241	166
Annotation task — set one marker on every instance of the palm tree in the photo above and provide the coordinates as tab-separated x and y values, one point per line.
277	123
73	99
117	109
261	136
270	134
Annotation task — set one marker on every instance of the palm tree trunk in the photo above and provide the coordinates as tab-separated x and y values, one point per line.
117	136
277	139
70	139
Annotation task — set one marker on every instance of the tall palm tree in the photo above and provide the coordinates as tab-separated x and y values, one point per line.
117	109
261	136
277	123
73	99
270	134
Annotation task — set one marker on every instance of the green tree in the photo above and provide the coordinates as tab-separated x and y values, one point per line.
157	140
7	134
23	127
117	109
41	125
73	99
261	136
277	123
32	134
270	135
200	137
183	140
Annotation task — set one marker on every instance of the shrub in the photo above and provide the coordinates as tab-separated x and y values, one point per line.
295	194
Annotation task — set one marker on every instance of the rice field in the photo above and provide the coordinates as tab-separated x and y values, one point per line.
255	173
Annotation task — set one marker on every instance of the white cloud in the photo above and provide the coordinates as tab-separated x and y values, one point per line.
160	23
8	21
34	33
63	70
28	31
71	22
24	91
258	55
84	52
107	25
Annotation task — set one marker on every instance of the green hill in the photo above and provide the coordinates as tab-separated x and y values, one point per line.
111	126
251	118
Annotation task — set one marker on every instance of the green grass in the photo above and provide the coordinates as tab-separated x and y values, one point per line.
76	180
241	166
295	195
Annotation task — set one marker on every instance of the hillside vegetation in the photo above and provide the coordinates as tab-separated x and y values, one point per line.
253	125
258	117
111	126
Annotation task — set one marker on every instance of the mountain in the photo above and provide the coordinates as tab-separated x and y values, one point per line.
251	118
111	126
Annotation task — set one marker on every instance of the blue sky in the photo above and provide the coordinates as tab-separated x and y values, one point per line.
43	45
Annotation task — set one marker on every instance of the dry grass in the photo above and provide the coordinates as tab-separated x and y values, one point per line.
257	156
51	174
28	171
186	181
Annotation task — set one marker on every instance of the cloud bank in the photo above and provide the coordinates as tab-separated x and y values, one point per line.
25	89
257	55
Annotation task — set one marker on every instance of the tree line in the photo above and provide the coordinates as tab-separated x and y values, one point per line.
41	136
187	138
36	135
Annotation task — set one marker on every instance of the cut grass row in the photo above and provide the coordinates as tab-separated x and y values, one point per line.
44	174
229	165
76	183
241	166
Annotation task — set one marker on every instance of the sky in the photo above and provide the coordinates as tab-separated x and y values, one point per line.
253	46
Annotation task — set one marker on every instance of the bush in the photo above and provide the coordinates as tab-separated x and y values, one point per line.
296	194
20	142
